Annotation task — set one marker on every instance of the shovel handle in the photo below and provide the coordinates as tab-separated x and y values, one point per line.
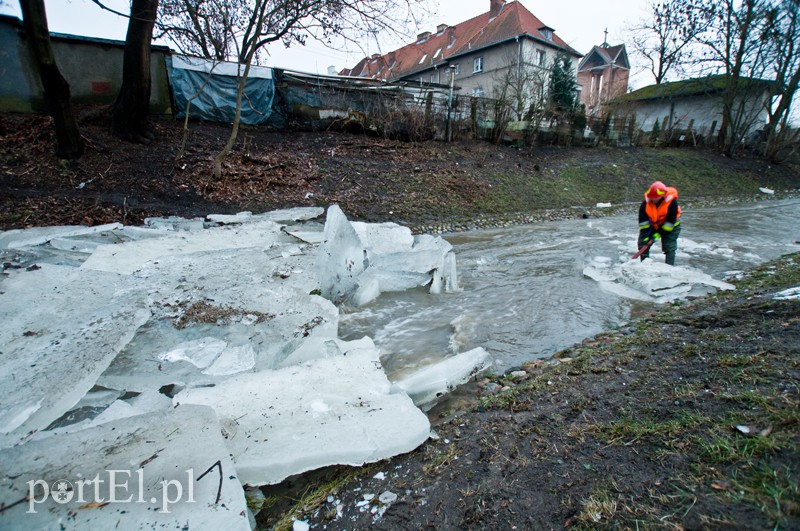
643	249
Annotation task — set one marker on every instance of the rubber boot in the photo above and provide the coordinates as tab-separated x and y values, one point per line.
669	258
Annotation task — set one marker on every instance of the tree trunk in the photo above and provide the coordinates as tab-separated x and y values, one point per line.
69	144
222	155
129	119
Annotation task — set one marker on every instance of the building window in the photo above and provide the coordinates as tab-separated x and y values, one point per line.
457	70
477	65
541	57
433	78
547	34
477	92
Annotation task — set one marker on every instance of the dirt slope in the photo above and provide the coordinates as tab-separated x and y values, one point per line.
423	185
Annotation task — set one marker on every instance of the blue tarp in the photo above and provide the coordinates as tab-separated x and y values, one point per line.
216	84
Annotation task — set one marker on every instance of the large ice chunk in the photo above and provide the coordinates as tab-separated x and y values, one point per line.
358	261
60	327
340	257
335	410
165	470
430	383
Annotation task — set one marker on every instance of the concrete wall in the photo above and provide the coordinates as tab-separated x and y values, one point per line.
92	67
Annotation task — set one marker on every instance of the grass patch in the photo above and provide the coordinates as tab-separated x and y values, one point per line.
727	449
598	508
630	430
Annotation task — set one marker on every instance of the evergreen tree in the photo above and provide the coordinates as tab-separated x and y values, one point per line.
562	85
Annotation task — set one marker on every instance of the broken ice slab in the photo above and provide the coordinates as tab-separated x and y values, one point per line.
125	258
667	283
357	261
340	257
428	384
87	243
286	216
175	224
652	280
60	327
338	410
382	238
17	238
251	323
319	347
374	281
134	473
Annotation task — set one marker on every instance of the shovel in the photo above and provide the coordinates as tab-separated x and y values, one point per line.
645	247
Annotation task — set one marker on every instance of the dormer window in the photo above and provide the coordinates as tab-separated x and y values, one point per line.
546	32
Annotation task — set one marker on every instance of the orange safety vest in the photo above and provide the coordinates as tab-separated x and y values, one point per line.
658	213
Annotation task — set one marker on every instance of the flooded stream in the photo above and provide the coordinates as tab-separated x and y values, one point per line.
525	295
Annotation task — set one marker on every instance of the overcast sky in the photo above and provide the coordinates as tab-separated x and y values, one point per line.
579	22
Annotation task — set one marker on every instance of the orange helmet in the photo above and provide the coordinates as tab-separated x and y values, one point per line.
657	190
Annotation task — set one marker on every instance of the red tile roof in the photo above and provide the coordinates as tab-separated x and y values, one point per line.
467	37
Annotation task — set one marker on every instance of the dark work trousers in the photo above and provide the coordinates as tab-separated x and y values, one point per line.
669	244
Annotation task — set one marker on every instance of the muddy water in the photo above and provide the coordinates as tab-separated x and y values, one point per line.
524	293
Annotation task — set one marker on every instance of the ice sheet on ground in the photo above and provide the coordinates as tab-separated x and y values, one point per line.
121	408
175	224
18	238
60	327
337	410
651	280
128	322
284	216
250	324
788	294
150	457
428	384
128	257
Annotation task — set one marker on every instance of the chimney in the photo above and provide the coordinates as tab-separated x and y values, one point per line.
495	6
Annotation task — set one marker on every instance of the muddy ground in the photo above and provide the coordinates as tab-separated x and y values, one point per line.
688	419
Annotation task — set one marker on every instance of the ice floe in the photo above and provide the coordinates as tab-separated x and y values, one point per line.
650	280
115	340
169	469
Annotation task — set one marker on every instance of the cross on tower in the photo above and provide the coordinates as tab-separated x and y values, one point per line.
605	38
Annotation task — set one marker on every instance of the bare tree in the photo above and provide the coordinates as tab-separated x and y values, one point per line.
218	27
665	40
519	92
737	43
69	144
785	36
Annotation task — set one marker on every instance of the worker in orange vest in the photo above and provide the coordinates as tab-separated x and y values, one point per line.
660	219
